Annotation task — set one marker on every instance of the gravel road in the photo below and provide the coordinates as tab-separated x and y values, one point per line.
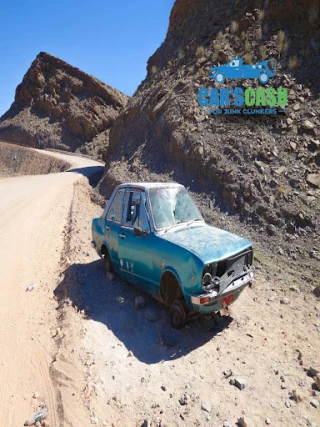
33	213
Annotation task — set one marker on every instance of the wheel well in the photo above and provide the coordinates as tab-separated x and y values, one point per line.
170	289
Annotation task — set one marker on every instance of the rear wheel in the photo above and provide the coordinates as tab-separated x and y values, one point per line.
177	315
107	260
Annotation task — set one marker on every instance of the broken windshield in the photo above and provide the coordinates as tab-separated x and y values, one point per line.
171	206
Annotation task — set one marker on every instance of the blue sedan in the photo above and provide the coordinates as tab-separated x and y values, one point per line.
153	236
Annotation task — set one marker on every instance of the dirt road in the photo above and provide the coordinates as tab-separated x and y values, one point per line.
33	213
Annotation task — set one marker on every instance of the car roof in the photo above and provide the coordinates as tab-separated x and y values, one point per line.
149	185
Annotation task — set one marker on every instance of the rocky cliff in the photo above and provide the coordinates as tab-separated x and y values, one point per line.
256	174
59	106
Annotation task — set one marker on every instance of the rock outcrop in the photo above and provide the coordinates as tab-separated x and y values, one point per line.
59	106
252	168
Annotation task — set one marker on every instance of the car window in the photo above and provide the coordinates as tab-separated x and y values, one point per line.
115	210
135	212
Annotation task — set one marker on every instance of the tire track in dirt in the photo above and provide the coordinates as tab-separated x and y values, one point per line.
67	369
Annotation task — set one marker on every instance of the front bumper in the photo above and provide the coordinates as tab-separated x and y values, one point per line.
222	300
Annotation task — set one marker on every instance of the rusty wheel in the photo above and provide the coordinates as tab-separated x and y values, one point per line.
177	315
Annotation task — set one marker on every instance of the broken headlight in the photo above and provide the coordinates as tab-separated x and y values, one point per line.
210	282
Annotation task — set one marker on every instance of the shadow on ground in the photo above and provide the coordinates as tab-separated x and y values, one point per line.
112	303
93	173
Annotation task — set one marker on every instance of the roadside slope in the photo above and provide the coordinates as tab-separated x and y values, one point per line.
16	160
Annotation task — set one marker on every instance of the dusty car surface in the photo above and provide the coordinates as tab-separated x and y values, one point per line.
154	236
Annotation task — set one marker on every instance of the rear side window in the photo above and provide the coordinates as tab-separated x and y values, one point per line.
115	210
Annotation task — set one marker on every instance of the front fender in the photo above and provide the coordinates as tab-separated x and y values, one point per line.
172	270
189	275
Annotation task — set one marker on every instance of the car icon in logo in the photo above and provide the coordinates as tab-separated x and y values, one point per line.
236	69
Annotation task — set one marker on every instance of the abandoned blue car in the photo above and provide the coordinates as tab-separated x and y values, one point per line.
153	236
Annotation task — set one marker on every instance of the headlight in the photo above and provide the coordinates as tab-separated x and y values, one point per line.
209	283
207	279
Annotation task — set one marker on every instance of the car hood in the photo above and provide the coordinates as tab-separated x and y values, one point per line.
207	243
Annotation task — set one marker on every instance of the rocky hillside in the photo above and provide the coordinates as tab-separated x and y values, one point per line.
59	106
258	175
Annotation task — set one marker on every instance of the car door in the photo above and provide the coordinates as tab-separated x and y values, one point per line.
135	251
112	226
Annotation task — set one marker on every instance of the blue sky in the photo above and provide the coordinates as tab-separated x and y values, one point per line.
110	39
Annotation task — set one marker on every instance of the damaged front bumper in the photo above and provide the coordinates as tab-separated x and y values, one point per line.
213	301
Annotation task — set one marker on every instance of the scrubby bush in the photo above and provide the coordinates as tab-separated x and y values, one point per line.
200	52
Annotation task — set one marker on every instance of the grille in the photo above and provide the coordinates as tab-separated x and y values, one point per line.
236	264
234	267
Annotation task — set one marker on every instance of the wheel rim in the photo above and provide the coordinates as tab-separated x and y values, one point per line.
177	316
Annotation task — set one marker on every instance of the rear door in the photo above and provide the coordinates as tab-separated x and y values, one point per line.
136	252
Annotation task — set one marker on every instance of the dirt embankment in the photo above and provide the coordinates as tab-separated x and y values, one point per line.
16	160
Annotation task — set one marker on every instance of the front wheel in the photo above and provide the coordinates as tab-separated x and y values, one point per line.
177	315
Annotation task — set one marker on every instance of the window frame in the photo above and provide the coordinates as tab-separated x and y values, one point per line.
126	205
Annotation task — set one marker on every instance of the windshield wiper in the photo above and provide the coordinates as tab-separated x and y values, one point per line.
193	220
172	225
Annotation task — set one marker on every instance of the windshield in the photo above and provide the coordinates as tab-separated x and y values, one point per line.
172	206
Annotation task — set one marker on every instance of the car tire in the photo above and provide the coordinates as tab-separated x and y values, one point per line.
177	315
216	317
220	78
108	263
263	78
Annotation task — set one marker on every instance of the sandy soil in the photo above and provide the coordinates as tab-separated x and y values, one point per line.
77	340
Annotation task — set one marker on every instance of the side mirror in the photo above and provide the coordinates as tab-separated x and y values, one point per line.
138	232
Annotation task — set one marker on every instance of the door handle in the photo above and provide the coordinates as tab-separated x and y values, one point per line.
123	236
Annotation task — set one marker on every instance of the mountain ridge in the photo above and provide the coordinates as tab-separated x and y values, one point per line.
59	106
